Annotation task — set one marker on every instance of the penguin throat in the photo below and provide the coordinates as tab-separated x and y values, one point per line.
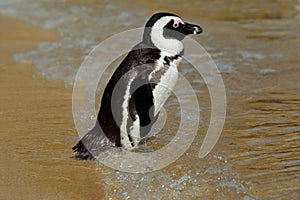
172	46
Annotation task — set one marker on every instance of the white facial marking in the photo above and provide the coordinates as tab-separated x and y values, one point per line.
172	46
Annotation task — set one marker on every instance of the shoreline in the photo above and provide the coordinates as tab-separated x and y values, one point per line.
37	130
35	118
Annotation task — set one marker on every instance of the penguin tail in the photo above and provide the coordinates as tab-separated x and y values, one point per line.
81	152
93	143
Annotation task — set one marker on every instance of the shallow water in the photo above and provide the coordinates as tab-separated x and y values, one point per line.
256	47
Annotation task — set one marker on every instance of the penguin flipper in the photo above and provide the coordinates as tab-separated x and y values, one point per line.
144	103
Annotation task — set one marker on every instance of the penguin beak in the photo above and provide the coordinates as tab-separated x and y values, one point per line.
188	29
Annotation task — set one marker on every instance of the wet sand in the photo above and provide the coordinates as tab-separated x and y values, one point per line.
33	112
260	138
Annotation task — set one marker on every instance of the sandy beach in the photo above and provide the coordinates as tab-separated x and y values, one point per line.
256	47
31	109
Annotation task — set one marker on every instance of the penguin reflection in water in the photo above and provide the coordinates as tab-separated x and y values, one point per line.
139	87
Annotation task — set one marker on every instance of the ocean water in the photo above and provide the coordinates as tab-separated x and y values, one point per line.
255	45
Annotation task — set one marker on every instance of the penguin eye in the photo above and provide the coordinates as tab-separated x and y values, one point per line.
175	25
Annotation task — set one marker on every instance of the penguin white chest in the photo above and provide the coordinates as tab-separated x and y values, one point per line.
166	82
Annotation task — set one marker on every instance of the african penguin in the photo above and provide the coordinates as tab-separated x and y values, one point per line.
137	89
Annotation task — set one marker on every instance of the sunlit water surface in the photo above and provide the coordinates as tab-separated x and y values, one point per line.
256	47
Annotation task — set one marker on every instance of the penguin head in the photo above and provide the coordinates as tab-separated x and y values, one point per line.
167	29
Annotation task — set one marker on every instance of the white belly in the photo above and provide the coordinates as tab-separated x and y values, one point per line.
164	87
